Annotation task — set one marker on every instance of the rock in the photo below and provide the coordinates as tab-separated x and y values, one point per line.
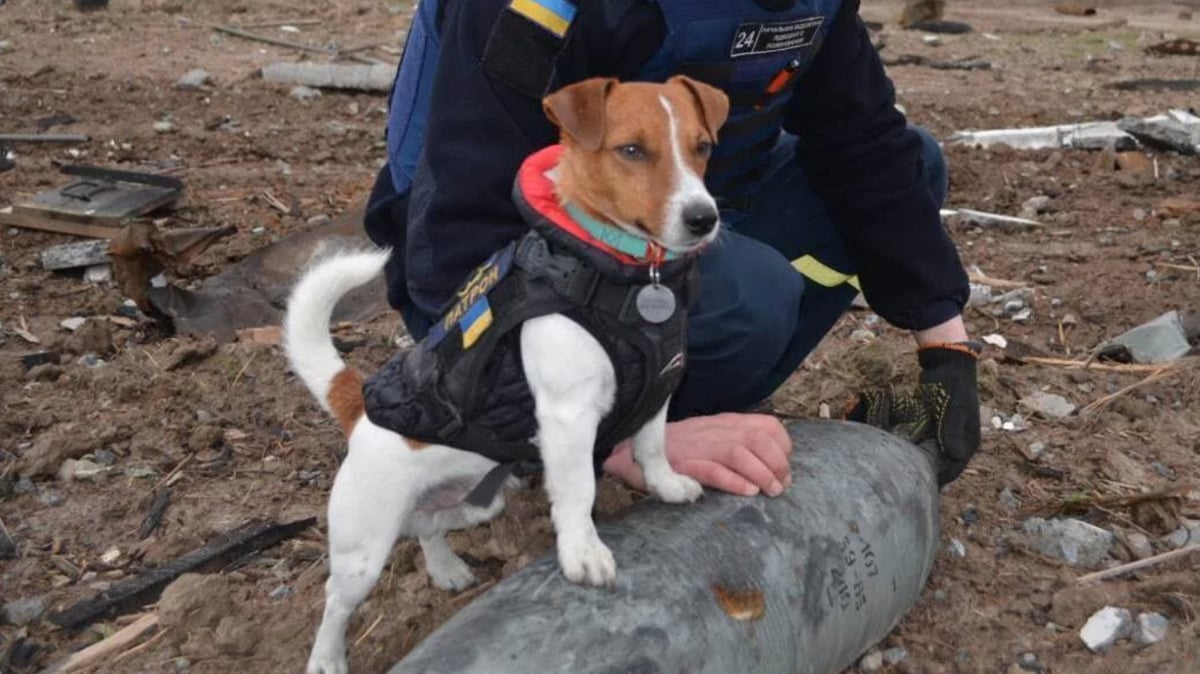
1073	541
1009	501
860	335
1151	628
1029	662
51	498
957	548
91	337
1184	535
205	437
1036	450
1139	545
193	79
72	324
319	220
24	611
894	656
1048	405
98	273
282	592
5	45
47	372
871	662
1105	628
237	635
1034	207
303	93
187	353
91	360
105	457
165	126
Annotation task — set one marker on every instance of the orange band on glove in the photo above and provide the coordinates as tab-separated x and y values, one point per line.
953	346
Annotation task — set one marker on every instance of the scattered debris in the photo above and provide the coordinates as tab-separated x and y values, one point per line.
894	656
871	662
141	251
270	335
186	353
44	138
1177	207
1162	340
252	292
364	77
24	611
303	93
1106	627
1075	9
1035	206
266	39
97	196
146	586
98	273
1086	136
193	79
1139	544
103	649
1178	130
957	548
983	219
1180	47
165	126
995	340
1154	84
1048	405
80	469
282	592
1150	628
1074	541
968	63
72	324
1138	565
158	507
74	255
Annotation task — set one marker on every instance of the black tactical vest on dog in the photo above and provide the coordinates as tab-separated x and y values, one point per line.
464	385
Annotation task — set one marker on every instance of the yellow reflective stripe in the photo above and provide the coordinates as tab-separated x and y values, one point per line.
819	272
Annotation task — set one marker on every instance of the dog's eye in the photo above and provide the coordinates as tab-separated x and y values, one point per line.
704	149
632	152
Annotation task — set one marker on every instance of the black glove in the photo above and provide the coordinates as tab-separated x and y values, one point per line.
944	407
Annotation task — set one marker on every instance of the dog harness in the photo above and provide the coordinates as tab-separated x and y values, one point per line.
464	385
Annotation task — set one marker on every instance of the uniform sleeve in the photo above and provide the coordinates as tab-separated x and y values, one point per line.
863	160
486	116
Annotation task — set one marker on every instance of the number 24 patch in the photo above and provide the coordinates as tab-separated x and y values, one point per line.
765	38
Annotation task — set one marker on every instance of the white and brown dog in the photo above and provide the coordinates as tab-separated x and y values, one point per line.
633	156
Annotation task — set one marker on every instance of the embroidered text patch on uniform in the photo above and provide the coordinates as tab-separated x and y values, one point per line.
471	313
553	15
765	38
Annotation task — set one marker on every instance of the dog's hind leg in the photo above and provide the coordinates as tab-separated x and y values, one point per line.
372	497
441	510
661	478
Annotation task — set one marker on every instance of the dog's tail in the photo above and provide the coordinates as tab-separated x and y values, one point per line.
306	337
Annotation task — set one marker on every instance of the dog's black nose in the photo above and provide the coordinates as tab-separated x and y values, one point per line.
699	218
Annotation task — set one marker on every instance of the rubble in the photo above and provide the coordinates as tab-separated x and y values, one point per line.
871	662
894	656
1139	545
1178	130
72	324
1106	627
1034	206
74	255
1086	136
992	220
193	79
1161	340
1150	628
24	611
1073	541
373	77
1048	405
303	93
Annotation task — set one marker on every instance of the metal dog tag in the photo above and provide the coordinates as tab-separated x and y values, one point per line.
655	303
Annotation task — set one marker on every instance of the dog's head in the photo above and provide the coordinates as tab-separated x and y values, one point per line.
635	155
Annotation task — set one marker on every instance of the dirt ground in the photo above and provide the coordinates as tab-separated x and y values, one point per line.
237	438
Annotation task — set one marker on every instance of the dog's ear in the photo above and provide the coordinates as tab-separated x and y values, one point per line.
712	102
578	110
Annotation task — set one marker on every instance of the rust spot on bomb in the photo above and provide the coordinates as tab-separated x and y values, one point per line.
740	604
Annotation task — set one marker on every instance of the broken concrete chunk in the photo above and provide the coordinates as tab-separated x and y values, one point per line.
1151	628
1106	627
1073	541
74	255
1161	340
1177	130
374	77
1049	405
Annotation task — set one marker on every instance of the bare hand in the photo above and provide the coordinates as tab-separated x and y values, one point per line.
738	453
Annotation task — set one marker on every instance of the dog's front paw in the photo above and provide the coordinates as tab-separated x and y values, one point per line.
453	574
327	663
589	562
674	488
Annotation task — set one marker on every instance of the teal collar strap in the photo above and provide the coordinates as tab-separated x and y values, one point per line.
615	237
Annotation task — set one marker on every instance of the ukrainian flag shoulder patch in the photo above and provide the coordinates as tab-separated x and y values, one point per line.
553	15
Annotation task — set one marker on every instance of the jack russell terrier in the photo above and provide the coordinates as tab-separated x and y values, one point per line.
559	347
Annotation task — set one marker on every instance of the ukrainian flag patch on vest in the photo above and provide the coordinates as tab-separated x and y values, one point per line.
553	15
471	313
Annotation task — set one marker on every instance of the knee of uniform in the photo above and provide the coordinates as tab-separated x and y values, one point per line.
936	170
740	327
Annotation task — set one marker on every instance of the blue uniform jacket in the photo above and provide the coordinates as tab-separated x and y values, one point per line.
449	207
